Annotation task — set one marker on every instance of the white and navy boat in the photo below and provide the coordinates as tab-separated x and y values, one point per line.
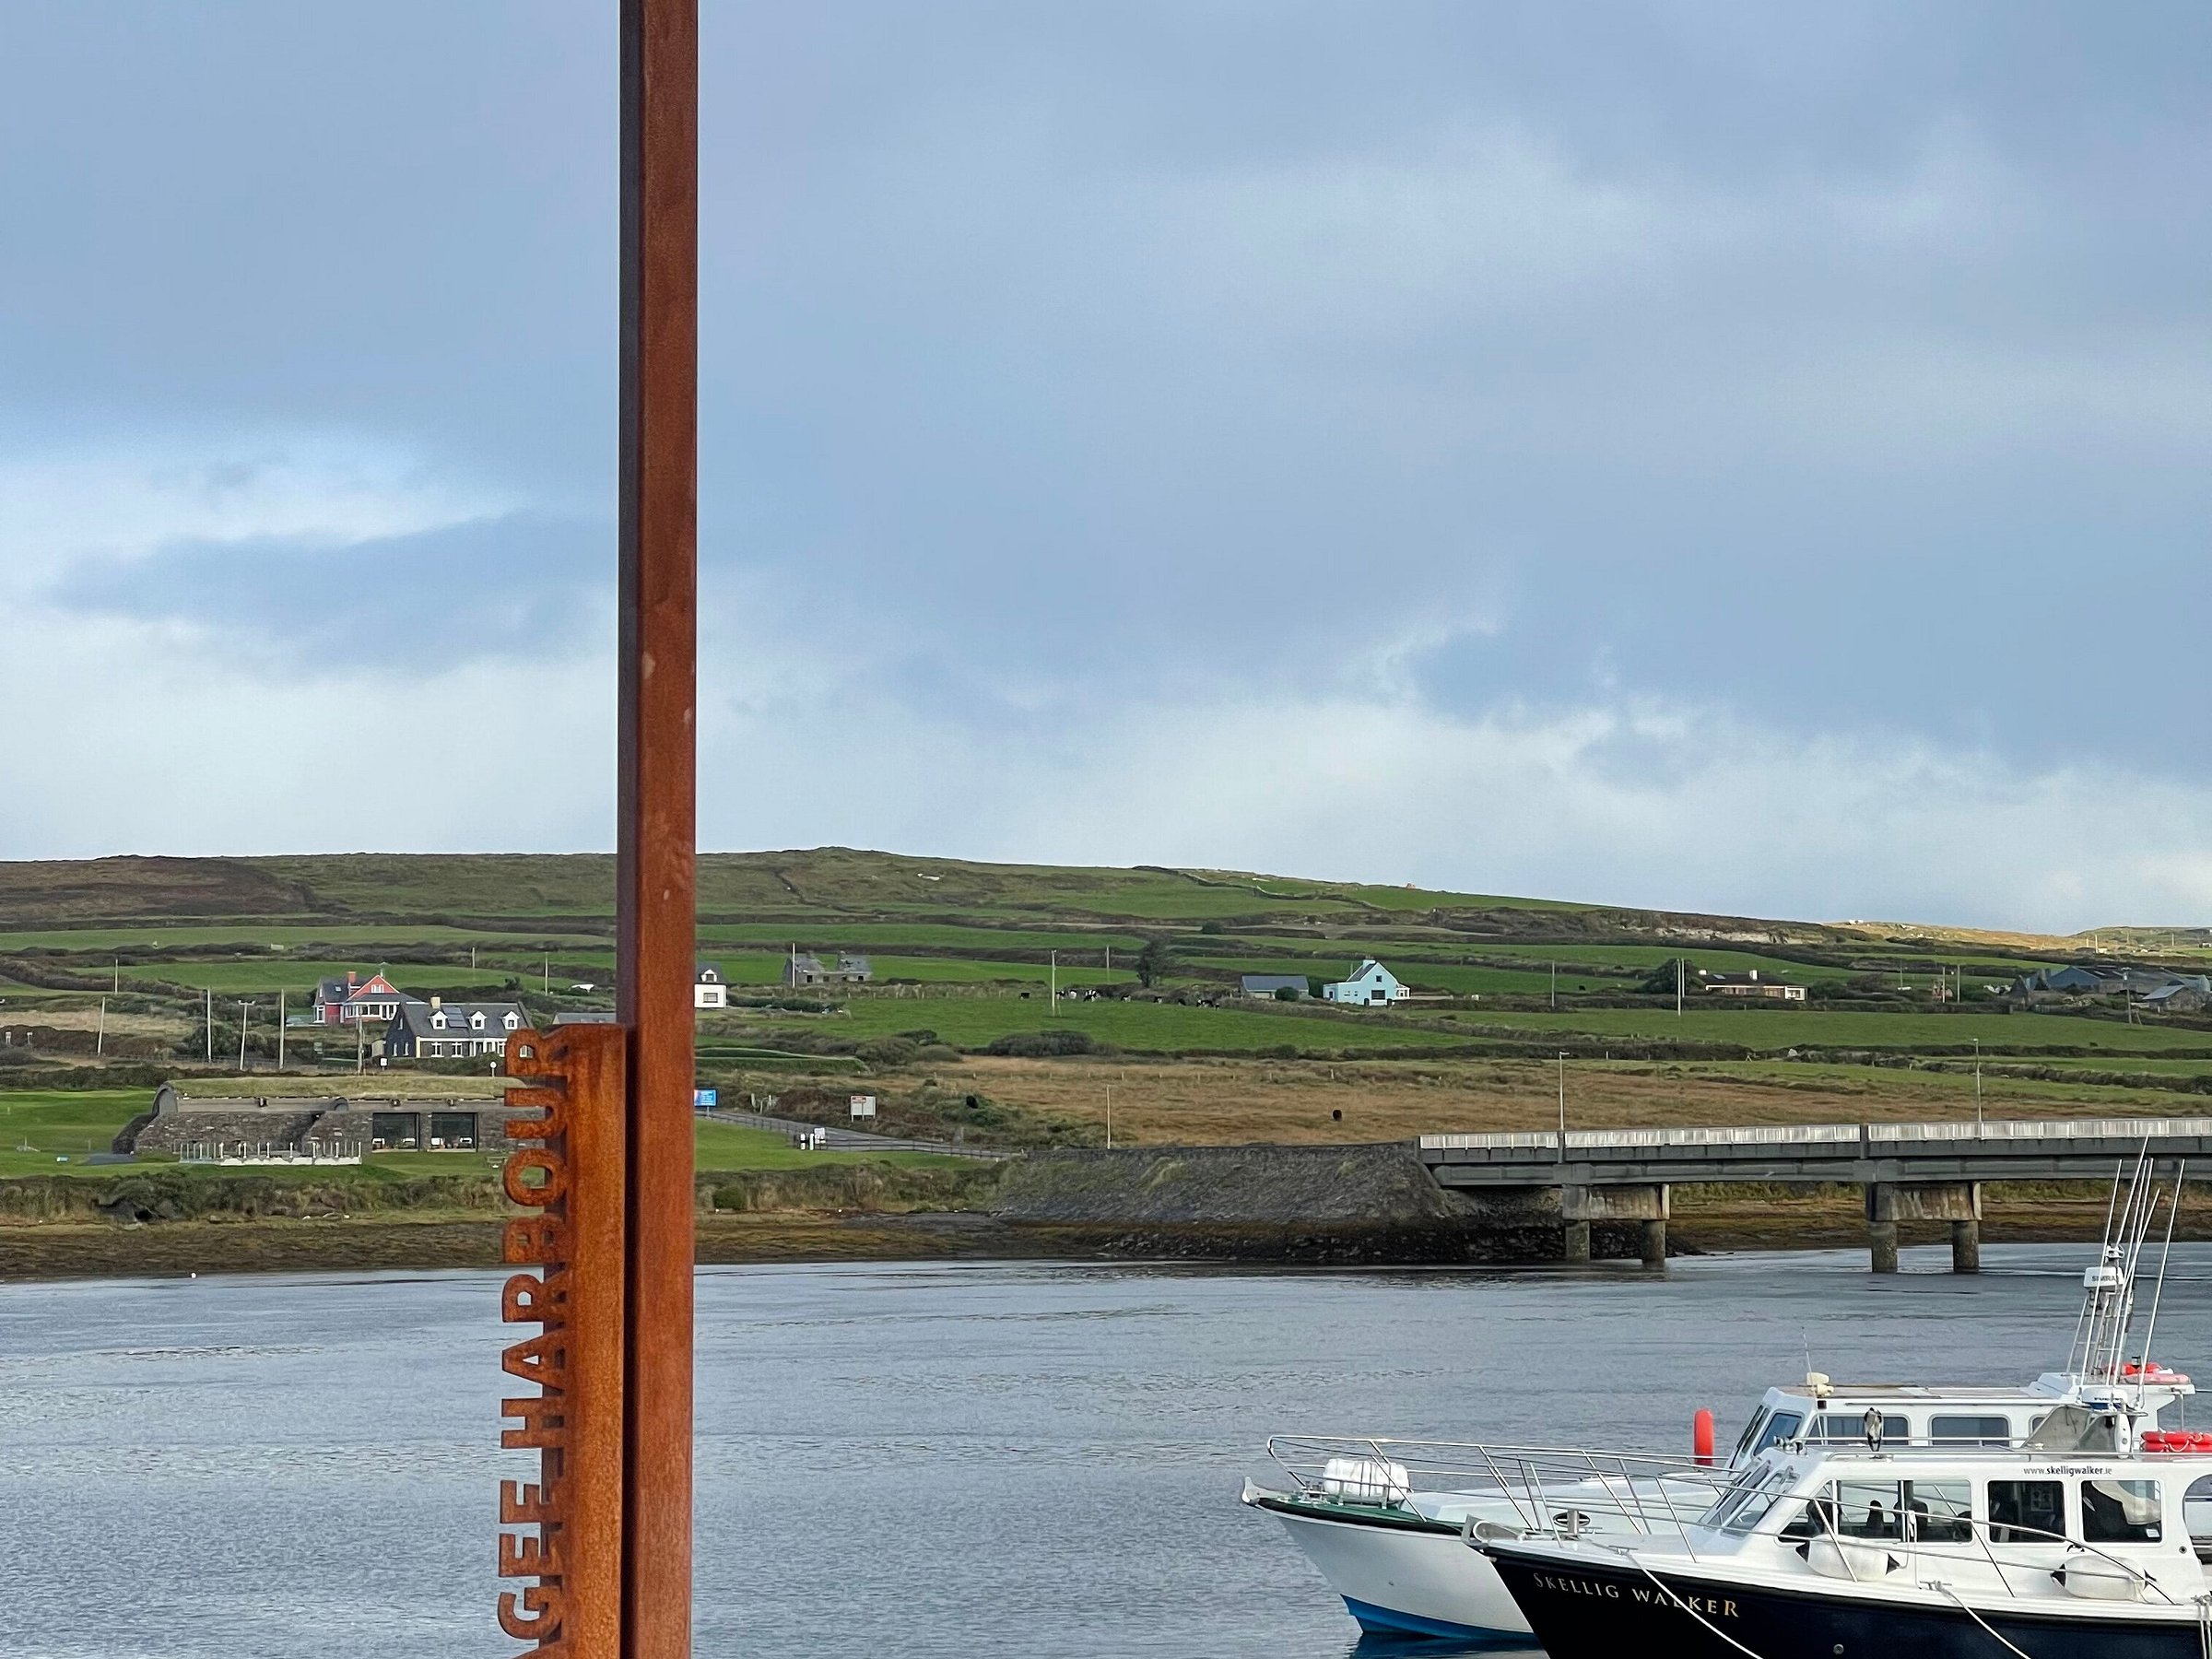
1383	1518
2075	1545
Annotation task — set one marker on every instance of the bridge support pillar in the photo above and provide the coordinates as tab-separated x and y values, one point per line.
1881	1242
1645	1203
1966	1247
1957	1202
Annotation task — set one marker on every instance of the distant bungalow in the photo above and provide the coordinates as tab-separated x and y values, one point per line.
1370	984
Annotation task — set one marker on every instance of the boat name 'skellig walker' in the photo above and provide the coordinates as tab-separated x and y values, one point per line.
1388	1523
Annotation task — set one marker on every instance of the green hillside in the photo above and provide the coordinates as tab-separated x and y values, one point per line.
112	968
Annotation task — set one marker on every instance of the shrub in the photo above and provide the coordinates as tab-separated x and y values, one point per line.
1047	1045
889	1051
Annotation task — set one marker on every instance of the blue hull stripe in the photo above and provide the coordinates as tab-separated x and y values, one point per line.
1373	1617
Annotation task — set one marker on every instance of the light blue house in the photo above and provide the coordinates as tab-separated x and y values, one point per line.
1368	984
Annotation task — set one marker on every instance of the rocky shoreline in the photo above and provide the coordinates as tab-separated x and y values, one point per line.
379	1245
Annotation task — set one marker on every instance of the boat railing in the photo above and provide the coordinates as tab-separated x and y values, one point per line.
1534	1481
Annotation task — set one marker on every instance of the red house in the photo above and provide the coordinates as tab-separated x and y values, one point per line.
345	1001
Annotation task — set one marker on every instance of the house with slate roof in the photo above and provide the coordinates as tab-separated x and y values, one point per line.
1264	985
441	1030
804	968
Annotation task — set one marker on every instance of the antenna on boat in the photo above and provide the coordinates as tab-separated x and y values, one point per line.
2108	1300
2173	1212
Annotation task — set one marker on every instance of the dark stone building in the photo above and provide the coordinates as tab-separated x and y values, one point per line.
328	1126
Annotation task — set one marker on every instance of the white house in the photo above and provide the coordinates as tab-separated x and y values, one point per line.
1368	984
707	989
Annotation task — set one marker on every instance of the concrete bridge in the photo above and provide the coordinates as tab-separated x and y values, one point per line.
1910	1171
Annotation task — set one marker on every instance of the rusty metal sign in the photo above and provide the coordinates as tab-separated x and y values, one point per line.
601	1542
561	1534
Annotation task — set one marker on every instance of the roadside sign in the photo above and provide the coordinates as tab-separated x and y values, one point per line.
702	1100
863	1106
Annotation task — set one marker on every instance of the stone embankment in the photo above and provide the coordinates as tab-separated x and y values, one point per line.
1358	1203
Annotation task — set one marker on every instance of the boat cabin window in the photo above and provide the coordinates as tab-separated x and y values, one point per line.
1781	1425
1927	1511
2120	1511
1834	1428
2026	1511
1745	1504
1969	1430
1765	1429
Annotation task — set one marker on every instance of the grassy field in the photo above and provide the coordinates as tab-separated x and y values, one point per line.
975	1021
836	934
1778	1029
359	937
283	973
960	949
1421	975
38	1127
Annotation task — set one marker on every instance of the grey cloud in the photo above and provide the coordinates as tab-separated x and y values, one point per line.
516	586
1846	369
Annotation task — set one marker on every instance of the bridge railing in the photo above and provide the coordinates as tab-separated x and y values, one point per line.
1756	1135
2009	1129
1839	1136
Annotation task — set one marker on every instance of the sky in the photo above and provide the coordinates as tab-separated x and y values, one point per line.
1736	458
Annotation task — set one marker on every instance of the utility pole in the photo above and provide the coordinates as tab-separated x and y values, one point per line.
1109	1117
211	1025
1977	1086
1555	987
245	1013
1109	961
1054	957
99	1042
360	1046
1680	971
1562	1105
280	1029
545	984
118	985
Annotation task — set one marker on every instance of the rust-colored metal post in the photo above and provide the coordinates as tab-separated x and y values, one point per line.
570	1271
656	827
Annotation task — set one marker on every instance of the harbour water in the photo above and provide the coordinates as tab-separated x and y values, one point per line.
1012	1460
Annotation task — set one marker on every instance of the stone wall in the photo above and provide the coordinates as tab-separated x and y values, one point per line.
174	1130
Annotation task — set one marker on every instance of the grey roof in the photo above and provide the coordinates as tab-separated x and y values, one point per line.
331	990
805	961
707	972
848	962
2196	983
414	1015
1274	982
585	1016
